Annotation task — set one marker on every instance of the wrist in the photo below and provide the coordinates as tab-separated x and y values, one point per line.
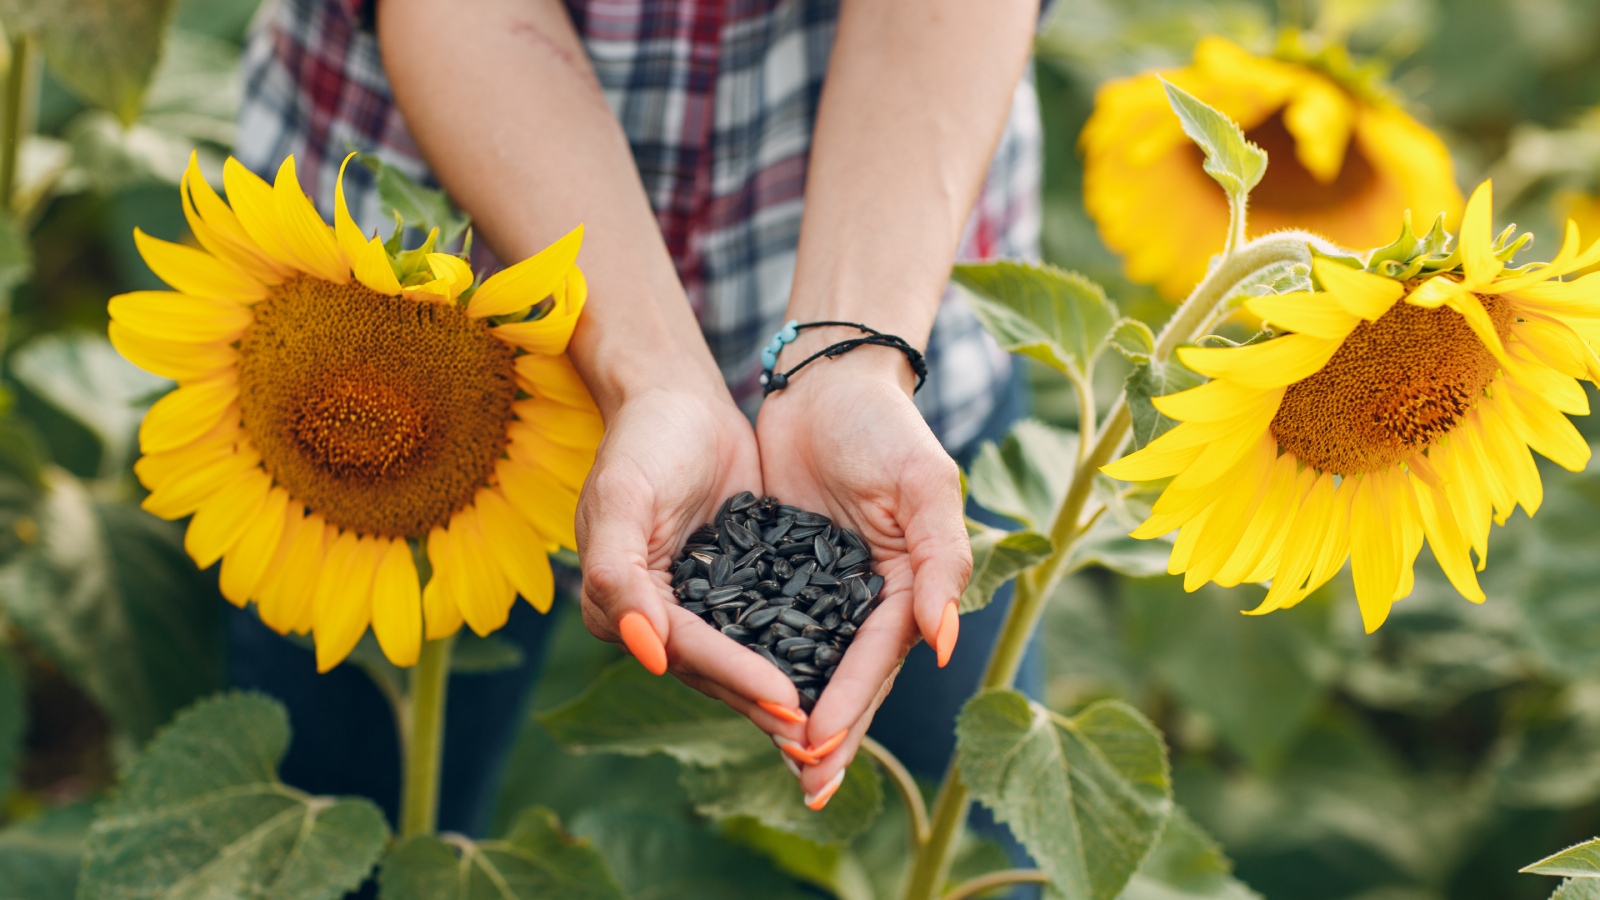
856	366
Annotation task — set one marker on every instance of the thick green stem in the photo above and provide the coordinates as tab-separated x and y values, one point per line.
11	126
419	798
910	795
1034	586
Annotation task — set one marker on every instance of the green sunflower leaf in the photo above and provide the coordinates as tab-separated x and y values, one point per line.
13	717
1026	475
1187	864
422	208
763	789
202	811
104	51
40	858
1578	889
1578	861
1058	317
997	557
1134	340
664	856
107	593
83	376
1088	796
1155	379
536	860
629	711
1234	162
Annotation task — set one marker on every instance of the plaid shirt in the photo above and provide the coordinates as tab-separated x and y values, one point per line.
718	99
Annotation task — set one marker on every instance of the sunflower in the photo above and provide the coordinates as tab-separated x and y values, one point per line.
343	413
1345	162
1396	410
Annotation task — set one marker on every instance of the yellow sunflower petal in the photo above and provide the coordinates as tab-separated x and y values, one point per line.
245	565
294	594
1270	517
452	270
1213	401
204	477
304	233
180	317
1302	544
171	359
1450	546
197	272
345	231
1318	315
1358	293
221	521
257	212
529	281
491	595
397	604
192	410
514	545
440	613
344	598
218	230
1232	514
156	469
1321	116
371	268
1477	238
550	334
552	378
1275	363
1374	550
269	595
531	497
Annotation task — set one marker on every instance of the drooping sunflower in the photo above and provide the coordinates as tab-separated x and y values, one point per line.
341	408
1397	409
1346	162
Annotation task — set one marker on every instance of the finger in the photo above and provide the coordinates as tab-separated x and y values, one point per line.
775	726
626	602
941	555
700	651
857	684
821	779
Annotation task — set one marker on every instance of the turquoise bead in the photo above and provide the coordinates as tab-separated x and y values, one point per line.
769	358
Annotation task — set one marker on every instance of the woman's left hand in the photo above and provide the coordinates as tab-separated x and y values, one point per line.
844	438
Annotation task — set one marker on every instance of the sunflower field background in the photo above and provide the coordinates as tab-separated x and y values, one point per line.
1431	759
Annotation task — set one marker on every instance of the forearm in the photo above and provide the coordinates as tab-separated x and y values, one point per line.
916	96
518	132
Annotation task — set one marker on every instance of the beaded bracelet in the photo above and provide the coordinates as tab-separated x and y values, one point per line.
777	381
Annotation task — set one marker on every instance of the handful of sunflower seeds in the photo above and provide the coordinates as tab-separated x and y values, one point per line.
787	583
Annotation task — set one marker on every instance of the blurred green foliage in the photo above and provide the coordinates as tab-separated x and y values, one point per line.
1433	759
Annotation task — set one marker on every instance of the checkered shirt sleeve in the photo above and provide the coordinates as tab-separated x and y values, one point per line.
718	99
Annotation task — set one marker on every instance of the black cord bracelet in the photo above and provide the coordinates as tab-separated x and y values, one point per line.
776	381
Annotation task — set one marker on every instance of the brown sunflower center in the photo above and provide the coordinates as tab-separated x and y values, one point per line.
1394	387
1289	187
383	414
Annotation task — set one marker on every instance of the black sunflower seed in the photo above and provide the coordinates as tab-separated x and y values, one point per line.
739	633
722	617
721	568
860	614
782	630
822	607
801	668
744	577
854	540
765	653
833	620
794	618
823	579
750	556
815	633
846	630
759	618
697	588
824	551
722	595
782	569
874	585
684	571
854	557
695	607
778	530
811	518
799	533
740	535
827	656
787	644
798	580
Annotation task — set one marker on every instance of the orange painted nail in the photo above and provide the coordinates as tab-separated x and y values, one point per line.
944	643
794	750
643	642
793	716
820	798
828	745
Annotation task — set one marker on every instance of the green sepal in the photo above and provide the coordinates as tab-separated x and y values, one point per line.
1405	258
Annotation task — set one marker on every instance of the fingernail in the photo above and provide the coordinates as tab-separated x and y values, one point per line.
644	643
793	749
828	745
793	716
820	798
794	767
944	643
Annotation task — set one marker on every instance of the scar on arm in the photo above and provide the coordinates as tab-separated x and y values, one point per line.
542	41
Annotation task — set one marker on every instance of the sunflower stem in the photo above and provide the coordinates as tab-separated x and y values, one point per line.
424	745
1193	318
11	127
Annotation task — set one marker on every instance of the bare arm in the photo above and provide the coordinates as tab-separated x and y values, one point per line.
916	97
519	133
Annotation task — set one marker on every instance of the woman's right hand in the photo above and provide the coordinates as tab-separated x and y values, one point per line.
669	458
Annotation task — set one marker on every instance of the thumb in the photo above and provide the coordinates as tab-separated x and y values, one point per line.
941	558
620	598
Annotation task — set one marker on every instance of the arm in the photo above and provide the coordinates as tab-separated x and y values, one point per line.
521	136
916	97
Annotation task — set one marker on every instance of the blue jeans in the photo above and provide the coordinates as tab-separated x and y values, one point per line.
344	735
